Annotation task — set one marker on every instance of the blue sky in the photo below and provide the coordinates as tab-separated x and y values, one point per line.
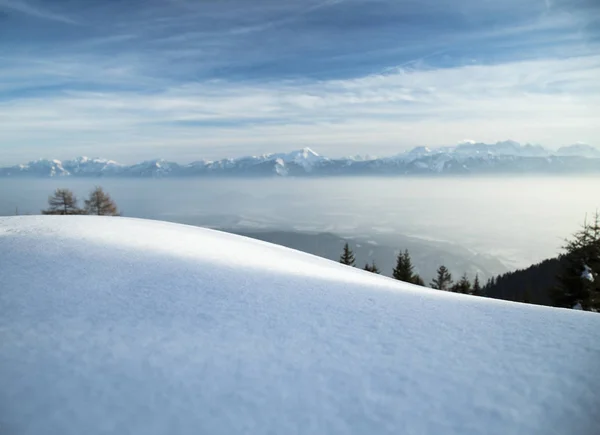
184	79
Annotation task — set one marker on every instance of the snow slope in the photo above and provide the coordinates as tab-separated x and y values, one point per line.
114	325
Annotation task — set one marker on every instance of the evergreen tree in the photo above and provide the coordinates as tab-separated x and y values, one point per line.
371	267
537	280
579	280
63	202
462	286
477	290
100	203
404	268
443	280
417	280
347	256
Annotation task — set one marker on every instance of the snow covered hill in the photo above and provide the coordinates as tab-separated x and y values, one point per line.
114	325
467	157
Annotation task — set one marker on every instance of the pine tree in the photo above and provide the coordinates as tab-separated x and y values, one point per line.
477	290
443	280
462	286
417	280
371	267
404	270
579	280
63	202
347	256
100	203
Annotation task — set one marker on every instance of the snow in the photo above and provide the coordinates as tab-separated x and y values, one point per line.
115	325
305	157
587	273
524	158
579	149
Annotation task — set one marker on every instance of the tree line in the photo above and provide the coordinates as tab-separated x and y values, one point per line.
404	271
64	202
570	281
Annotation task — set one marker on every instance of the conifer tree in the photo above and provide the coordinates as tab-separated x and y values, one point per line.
404	270
347	256
371	267
100	203
63	202
417	280
462	286
477	290
443	280
579	280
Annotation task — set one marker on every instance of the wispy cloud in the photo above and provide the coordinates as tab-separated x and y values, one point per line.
549	101
186	79
34	11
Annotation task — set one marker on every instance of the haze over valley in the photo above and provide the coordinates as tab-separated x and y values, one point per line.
483	225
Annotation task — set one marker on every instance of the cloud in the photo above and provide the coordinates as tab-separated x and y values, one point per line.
186	79
34	11
550	101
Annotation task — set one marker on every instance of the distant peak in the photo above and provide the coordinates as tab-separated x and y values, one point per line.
306	152
509	142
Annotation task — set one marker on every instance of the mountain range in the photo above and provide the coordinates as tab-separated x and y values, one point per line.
465	158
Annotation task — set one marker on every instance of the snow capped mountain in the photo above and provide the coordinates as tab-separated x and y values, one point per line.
43	168
305	157
504	148
579	150
91	166
152	168
464	158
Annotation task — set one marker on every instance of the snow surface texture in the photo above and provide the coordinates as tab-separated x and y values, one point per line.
126	326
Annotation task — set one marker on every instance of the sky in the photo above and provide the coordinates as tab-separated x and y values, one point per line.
184	80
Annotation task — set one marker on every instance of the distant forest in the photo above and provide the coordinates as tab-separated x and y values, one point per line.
530	285
571	280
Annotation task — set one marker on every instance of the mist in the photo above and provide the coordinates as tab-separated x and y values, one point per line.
519	220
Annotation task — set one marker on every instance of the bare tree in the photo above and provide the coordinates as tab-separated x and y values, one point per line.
100	203
63	202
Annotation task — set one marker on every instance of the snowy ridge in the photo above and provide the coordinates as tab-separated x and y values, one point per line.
463	158
141	327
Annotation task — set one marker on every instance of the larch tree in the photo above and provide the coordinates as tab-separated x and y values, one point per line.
63	202
347	256
443	280
100	203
